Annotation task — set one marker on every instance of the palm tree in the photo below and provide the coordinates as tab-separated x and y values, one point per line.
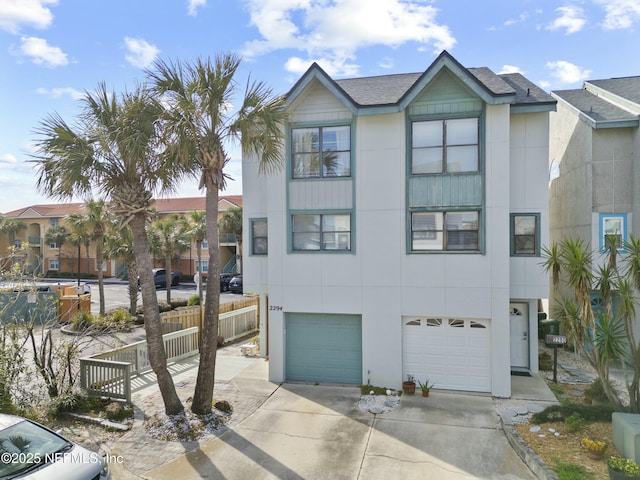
11	226
173	237
119	245
231	222
91	226
57	234
79	234
200	122
114	153
197	230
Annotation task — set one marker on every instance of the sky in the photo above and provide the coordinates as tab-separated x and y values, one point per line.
53	51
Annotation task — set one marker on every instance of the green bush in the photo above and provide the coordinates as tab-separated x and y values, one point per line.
82	321
590	413
596	391
574	422
193	300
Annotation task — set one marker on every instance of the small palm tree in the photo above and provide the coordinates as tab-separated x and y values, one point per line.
231	222
119	245
197	230
57	235
172	234
199	121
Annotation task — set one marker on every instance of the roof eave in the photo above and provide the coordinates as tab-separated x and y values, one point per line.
315	72
540	107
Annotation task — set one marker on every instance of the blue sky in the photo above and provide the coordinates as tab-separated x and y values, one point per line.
51	51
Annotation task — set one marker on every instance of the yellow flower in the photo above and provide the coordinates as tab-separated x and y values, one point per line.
595	446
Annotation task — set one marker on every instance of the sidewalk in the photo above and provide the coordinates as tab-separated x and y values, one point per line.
239	380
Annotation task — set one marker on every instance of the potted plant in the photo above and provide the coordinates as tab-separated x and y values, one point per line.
409	386
595	448
623	469
425	387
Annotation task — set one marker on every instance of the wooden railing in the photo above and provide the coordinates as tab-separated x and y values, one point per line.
109	373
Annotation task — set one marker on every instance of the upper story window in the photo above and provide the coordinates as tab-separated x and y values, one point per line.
203	267
259	243
444	146
321	232
613	227
445	231
53	222
525	234
321	152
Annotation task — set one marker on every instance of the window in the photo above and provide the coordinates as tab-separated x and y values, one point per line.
205	266
321	232
450	231
54	264
259	244
321	152
53	245
525	234
53	222
444	146
613	228
205	244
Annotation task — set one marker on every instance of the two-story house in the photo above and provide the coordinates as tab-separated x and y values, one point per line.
403	235
595	162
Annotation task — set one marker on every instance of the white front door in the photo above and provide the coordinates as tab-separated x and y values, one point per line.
519	326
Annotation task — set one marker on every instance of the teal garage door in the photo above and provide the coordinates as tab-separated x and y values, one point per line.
324	348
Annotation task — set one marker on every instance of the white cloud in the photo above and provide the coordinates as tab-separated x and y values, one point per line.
41	53
7	160
60	92
141	53
335	66
513	21
193	5
17	13
571	18
620	13
567	72
509	69
386	63
334	30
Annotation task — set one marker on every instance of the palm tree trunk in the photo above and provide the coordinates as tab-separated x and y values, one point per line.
152	324
199	269
203	393
133	287
100	260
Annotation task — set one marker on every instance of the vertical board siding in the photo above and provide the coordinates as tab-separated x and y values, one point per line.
324	194
318	105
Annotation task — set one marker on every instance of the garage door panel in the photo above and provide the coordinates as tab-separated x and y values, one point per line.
323	348
451	353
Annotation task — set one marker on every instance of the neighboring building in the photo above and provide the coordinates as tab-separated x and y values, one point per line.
403	236
41	257
595	162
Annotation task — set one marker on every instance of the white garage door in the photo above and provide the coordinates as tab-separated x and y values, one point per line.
453	353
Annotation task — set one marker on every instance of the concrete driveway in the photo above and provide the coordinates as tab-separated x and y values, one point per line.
317	432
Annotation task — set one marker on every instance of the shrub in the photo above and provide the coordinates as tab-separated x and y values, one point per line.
82	321
596	391
223	406
590	413
574	422
624	465
193	301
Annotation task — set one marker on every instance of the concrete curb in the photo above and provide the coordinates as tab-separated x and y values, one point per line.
528	456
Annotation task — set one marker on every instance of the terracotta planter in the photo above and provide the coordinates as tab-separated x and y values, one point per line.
425	393
595	455
408	388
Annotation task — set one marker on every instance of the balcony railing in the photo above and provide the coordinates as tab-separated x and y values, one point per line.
35	241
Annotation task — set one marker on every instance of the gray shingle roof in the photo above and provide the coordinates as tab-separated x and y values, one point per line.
593	106
389	89
626	87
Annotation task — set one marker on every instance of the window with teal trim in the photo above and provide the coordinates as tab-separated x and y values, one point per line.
613	230
525	234
259	242
321	152
314	232
445	231
444	146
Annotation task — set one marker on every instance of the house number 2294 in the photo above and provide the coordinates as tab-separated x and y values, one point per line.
277	308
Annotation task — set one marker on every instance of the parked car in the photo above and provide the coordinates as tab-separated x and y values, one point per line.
225	278
160	278
235	285
31	451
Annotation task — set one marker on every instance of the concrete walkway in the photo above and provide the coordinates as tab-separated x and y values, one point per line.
303	431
